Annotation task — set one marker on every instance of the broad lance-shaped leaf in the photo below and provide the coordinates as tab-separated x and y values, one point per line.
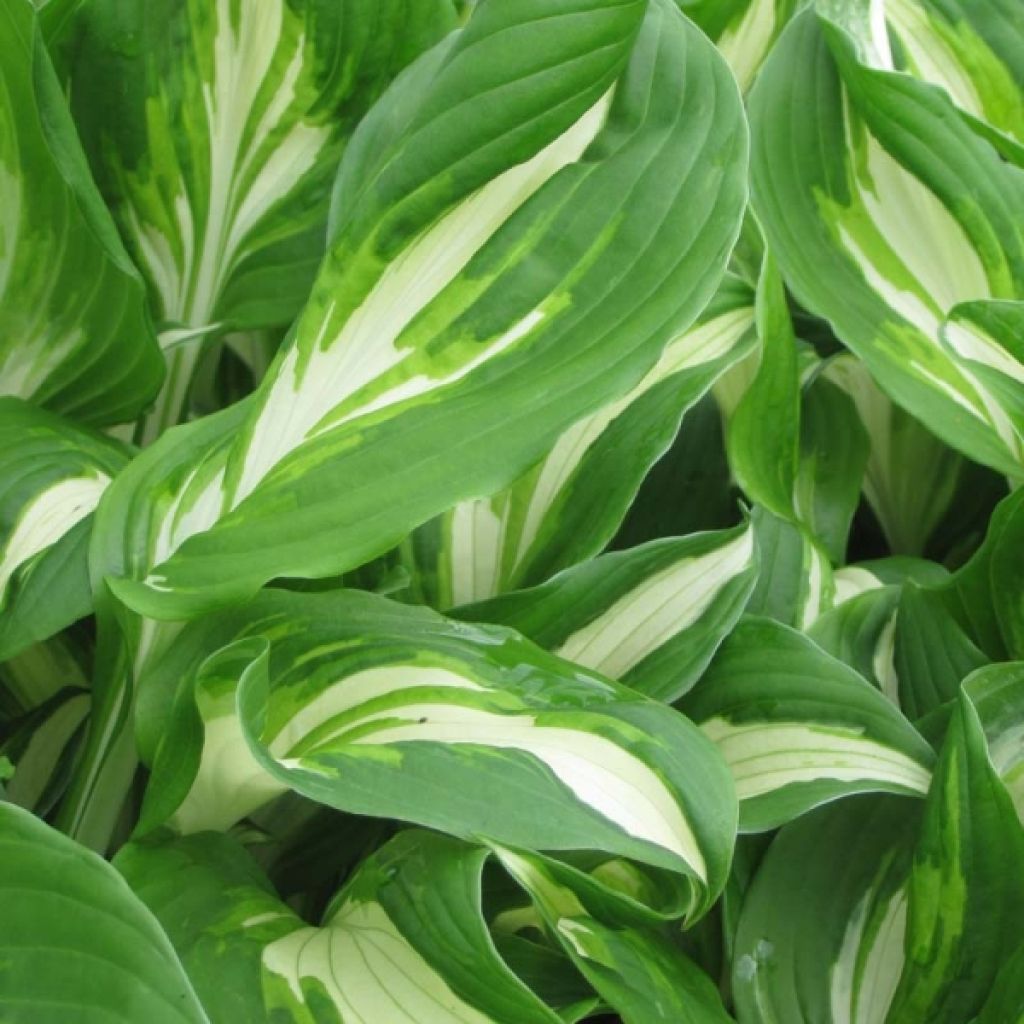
496	271
794	581
404	942
885	211
638	971
966	892
76	337
822	927
227	218
52	474
765	461
799	728
378	708
972	49
569	505
650	616
76	944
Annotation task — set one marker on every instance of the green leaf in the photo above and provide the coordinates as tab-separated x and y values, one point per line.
909	506
765	462
404	941
52	474
377	708
651	616
997	692
821	931
215	130
885	210
637	971
76	336
794	583
965	906
931	655
570	254
76	944
798	728
834	452
569	505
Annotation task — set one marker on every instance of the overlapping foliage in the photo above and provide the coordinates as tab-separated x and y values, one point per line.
510	511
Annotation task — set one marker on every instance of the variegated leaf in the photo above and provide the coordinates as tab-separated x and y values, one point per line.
965	901
822	928
461	273
404	941
799	728
215	128
76	336
569	505
376	708
650	616
52	474
886	211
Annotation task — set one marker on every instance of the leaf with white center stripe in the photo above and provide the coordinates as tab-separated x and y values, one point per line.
461	274
744	30
638	970
821	930
972	50
885	211
76	336
650	616
569	505
377	708
404	942
799	728
76	943
52	474
227	219
965	896
794	583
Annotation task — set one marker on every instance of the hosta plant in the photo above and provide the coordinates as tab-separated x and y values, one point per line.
510	511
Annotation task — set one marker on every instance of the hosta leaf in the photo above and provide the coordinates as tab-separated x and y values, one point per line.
909	506
227	218
984	595
638	971
997	692
794	582
861	632
799	728
931	653
76	337
40	746
834	452
52	474
965	899
568	506
75	943
765	462
971	49
462	273
885	211
404	942
651	616
1005	1004
377	708
744	30
821	932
